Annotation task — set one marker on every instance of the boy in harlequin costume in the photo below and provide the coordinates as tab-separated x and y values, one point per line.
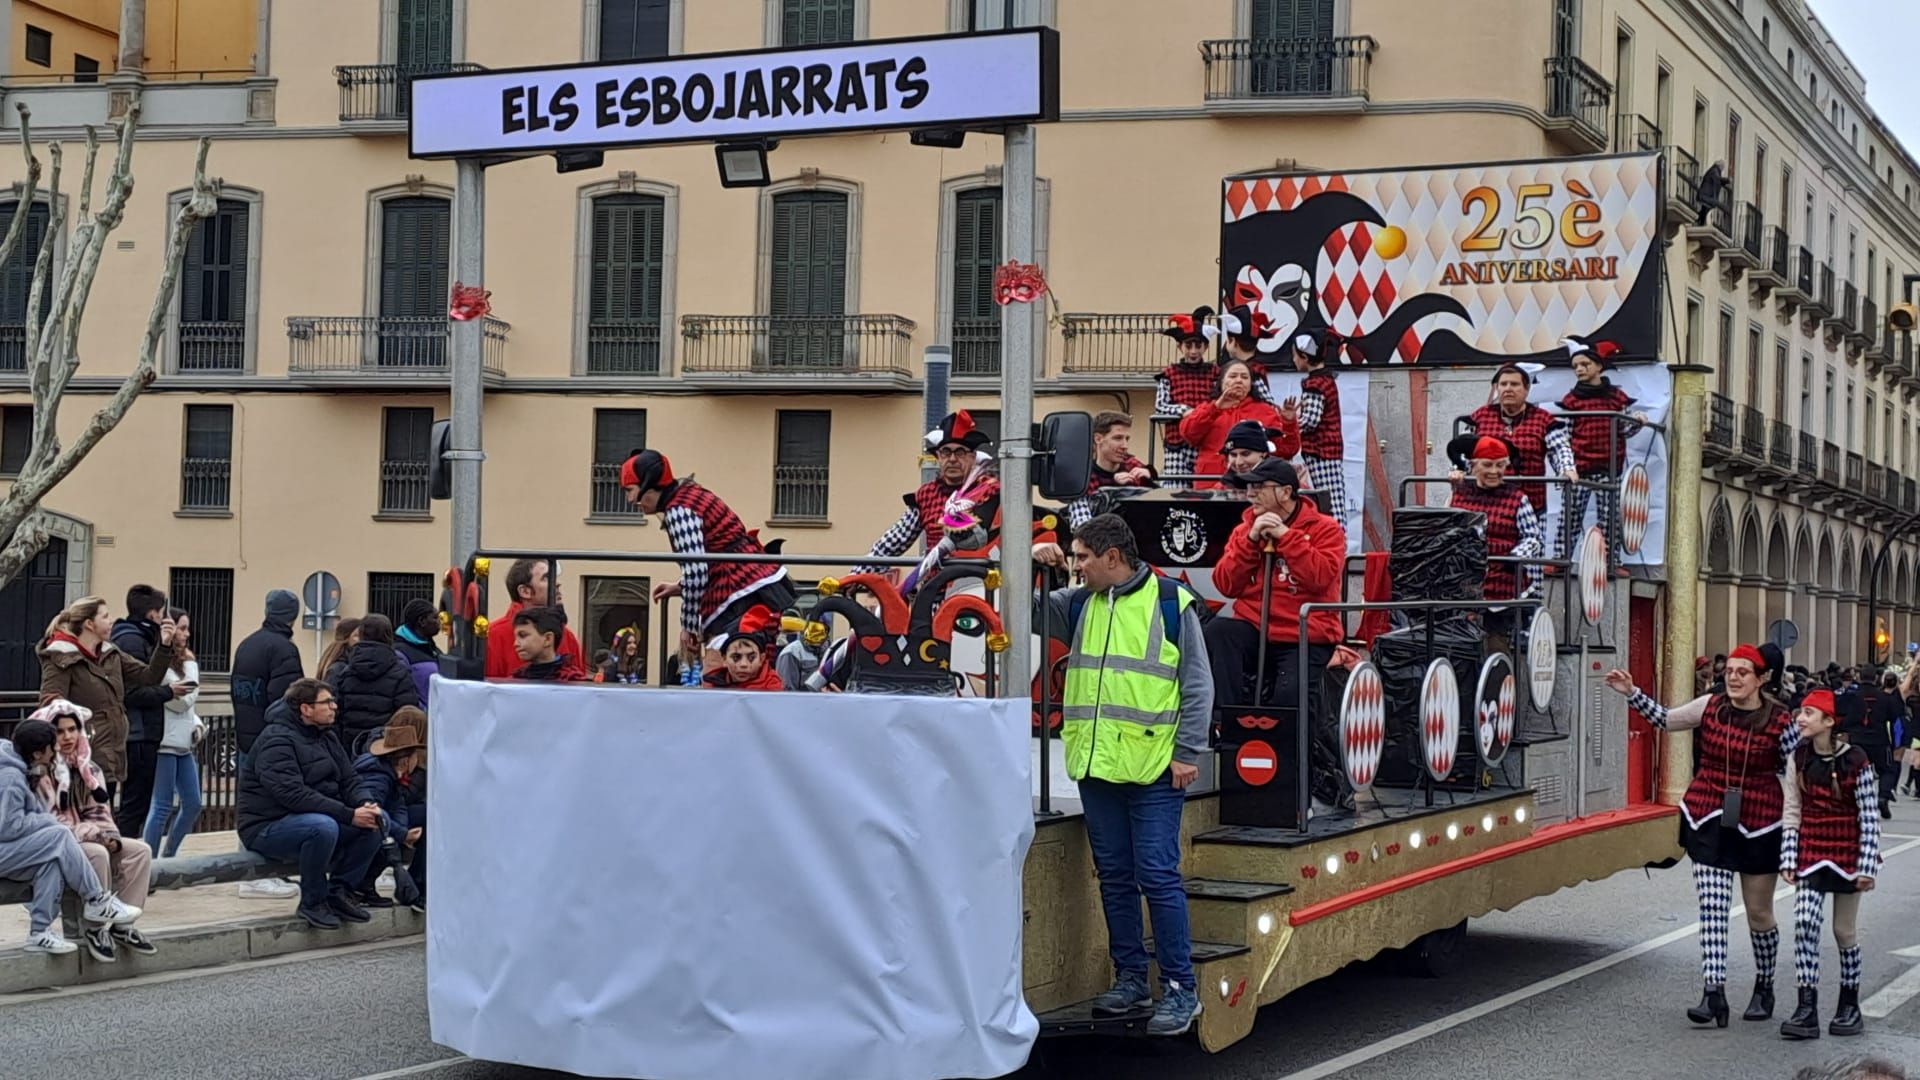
1599	442
743	660
1321	444
1181	386
1830	845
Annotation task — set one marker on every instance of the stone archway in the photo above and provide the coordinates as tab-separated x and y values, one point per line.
1750	594
1719	621
1777	575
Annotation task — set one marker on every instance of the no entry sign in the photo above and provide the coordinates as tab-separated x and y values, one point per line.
954	80
1257	762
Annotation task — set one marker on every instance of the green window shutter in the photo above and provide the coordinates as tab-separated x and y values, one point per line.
409	431
809	253
235	293
413	257
976	252
616	432
627	275
816	22
425	37
16	277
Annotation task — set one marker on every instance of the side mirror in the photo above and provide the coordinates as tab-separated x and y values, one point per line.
440	471
1063	460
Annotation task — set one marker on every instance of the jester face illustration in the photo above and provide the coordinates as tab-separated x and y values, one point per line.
1280	302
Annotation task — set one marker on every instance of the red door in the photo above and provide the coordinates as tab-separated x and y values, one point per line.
1643	644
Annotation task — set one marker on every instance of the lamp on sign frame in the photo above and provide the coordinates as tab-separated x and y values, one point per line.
944	138
566	161
744	164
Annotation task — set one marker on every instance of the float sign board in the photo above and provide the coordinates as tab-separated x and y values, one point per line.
950	80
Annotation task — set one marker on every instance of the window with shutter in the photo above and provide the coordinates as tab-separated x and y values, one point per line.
616	433
1288	53
634	29
213	293
16	282
16	438
207	465
990	14
800	463
976	251
423	43
414	237
807	294
816	22
406	460
628	267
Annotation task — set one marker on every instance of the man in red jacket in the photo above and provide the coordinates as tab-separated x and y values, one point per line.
527	584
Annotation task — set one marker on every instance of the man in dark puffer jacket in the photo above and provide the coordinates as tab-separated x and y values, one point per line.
372	683
264	665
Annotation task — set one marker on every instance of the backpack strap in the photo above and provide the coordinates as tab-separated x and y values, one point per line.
1170	593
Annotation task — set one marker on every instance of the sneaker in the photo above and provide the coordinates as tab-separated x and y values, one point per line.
419	907
50	942
343	906
1129	994
107	908
100	944
386	879
369	898
320	918
1176	1012
268	889
134	939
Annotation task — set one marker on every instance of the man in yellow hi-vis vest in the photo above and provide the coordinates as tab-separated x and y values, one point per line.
1136	709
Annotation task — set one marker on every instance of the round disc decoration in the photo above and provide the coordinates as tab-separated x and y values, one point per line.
1543	650
1593	575
1439	718
1494	702
1636	507
1363	725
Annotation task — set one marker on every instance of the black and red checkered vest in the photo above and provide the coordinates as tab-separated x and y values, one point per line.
1098	477
1528	436
1734	755
1501	505
1189	385
723	532
1590	434
1829	808
930	501
1324	442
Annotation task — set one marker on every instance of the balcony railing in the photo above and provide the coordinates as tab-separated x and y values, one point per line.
609	499
204	483
1684	184
1910	500
623	348
1753	433
1258	69
212	346
1807	464
1113	344
1773	251
800	492
1577	93
1748	224
1876	482
976	346
13	348
796	344
383	345
1803	271
1825	295
384	91
405	487
1849	311
1631	132
1870	327
1856	472
1720	424
1829	464
1779	446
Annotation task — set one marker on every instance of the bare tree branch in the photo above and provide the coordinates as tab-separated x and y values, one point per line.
86	177
28	538
38	376
21	209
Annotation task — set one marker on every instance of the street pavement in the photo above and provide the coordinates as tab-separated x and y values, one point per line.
1589	982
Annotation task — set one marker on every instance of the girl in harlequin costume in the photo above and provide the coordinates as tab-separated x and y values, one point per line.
1730	816
743	660
1180	386
1831	845
1321	444
1599	442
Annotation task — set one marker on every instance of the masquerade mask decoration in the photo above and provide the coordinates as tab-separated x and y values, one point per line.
470	302
1018	283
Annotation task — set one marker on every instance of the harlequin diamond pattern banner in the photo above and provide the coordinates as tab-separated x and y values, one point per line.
1463	263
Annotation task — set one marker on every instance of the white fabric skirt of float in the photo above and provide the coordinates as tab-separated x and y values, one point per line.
688	884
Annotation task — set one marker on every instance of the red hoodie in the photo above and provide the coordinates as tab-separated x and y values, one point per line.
1206	428
503	662
1309	560
768	679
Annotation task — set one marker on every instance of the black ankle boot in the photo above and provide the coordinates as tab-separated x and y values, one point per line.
1712	1008
1846	1015
1760	1007
1805	1021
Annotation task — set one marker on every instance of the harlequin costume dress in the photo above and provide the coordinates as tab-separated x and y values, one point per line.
1178	388
1599	445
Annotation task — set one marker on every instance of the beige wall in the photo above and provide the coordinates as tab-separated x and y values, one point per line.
182	35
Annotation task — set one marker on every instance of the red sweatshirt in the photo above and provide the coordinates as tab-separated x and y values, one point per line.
1309	560
502	661
1206	428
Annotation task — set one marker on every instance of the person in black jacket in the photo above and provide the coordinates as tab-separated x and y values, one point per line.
264	665
301	800
1886	716
373	681
136	635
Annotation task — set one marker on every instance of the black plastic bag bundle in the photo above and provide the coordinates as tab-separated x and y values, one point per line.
1401	656
1438	554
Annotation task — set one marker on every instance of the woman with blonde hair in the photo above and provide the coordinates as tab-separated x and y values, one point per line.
80	664
346	634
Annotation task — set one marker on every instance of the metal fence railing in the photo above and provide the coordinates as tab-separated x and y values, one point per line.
623	348
796	344
1243	69
387	345
1114	344
384	91
1578	93
609	499
405	487
800	492
204	483
212	346
976	346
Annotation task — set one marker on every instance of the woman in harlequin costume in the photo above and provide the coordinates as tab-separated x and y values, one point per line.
1180	386
1831	845
1730	817
1321	444
1599	442
1207	425
743	660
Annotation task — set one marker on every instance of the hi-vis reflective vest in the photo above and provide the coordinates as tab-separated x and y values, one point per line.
1121	705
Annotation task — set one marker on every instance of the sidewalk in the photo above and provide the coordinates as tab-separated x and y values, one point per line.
175	909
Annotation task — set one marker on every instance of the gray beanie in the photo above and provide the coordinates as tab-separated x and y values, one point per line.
282	606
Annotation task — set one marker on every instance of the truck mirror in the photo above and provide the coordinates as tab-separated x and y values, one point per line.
1063	462
440	473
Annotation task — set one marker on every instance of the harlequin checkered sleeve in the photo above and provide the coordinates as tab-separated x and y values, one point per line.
1679	718
1163	403
1790	741
1559	449
685	533
895	541
1079	512
1866	795
1533	542
1313	406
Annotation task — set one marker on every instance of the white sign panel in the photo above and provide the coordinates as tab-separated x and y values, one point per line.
957	80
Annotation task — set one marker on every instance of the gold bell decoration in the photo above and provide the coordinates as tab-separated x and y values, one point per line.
828	586
998	641
480	567
480	625
815	635
446	623
992	578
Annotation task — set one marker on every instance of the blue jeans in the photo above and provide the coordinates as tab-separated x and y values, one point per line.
1134	830
177	775
323	847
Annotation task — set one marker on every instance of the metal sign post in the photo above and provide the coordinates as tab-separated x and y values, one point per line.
466	368
1016	407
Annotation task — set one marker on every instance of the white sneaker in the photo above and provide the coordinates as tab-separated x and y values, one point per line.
268	889
386	880
107	908
50	942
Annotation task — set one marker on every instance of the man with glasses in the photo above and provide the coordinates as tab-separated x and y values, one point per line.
963	474
302	801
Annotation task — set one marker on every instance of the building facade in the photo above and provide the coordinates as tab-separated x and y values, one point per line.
770	340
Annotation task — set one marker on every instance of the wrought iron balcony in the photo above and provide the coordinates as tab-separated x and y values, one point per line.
624	348
1773	257
1830	464
204	483
1856	472
1910	500
1753	433
800	492
1633	132
976	346
212	346
1748	224
1807	462
1683	183
1114	344
608	498
1721	431
383	346
13	347
1779	447
1578	101
1871	332
1824	298
1846	311
1802	278
405	487
384	91
1877	482
798	345
1269	69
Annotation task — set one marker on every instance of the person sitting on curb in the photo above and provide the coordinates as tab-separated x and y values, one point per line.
74	791
387	771
37	848
537	636
300	800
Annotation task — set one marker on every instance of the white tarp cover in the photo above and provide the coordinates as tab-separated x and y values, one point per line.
684	884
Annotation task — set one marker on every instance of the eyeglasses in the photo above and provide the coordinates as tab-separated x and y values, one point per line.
952	451
320	702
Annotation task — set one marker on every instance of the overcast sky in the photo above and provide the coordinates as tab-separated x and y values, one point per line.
1880	36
